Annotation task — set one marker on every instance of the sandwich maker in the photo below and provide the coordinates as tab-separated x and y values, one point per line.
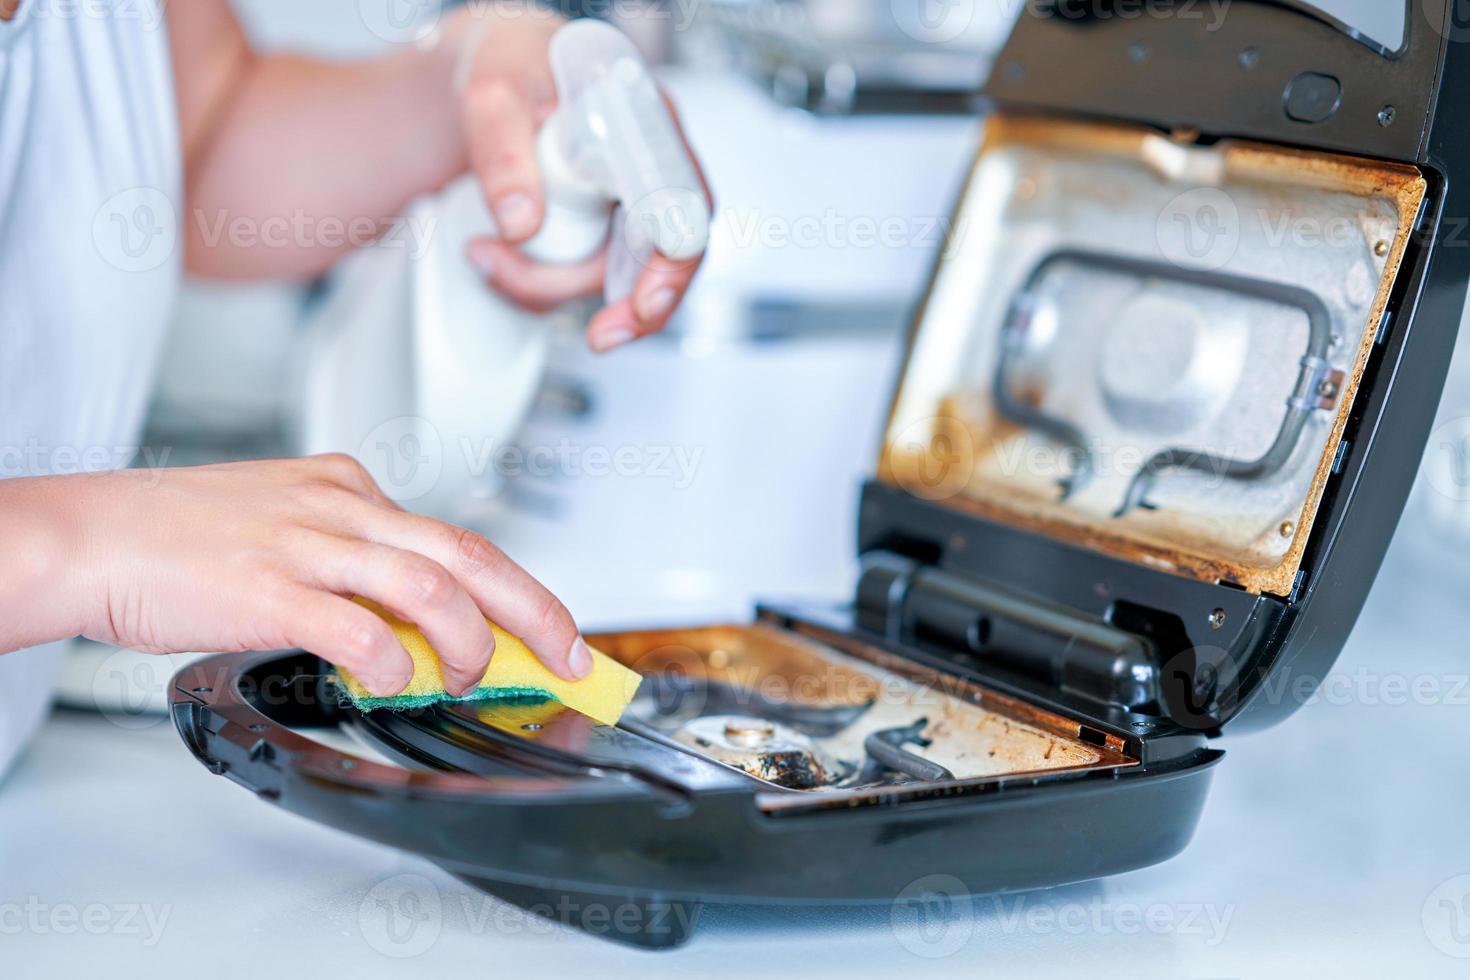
1161	408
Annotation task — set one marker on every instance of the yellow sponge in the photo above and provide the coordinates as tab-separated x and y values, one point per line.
514	674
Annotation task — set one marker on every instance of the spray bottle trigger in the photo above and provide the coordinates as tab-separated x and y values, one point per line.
628	253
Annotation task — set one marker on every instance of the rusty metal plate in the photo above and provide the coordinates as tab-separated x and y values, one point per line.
1147	346
798	712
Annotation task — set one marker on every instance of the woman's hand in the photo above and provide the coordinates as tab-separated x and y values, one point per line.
260	556
508	92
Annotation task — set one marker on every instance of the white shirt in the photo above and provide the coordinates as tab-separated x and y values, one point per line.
90	193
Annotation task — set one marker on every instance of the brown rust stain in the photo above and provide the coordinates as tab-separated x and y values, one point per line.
821	668
1404	186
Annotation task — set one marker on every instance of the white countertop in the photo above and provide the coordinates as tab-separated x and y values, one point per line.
1329	846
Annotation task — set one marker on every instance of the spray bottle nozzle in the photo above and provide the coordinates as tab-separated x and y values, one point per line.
612	140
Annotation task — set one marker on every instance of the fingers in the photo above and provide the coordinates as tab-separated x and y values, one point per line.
349	636
529	284
435	575
661	285
657	293
346	472
423	592
501	124
502	590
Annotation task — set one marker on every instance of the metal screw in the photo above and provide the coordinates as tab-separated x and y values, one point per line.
1380	248
1249	58
1287	529
1217	619
531	727
1327	389
1386	115
749	732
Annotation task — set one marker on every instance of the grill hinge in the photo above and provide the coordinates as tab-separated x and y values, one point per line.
981	626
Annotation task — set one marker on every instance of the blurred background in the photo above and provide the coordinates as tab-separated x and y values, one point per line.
836	135
744	431
683	478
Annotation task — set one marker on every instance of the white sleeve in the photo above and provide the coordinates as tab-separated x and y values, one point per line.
27	680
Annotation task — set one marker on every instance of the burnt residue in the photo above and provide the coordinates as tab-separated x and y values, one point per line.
1155	540
907	727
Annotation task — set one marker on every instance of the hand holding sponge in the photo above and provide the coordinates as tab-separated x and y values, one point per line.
514	674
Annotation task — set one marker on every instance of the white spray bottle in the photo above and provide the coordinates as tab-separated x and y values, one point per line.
610	156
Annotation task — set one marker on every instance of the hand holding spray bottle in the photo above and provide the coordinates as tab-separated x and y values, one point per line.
611	158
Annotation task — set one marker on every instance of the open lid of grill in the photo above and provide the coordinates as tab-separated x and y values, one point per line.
1312	74
1150	348
1178	358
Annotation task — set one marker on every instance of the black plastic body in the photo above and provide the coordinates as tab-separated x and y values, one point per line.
538	829
547	831
1191	77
